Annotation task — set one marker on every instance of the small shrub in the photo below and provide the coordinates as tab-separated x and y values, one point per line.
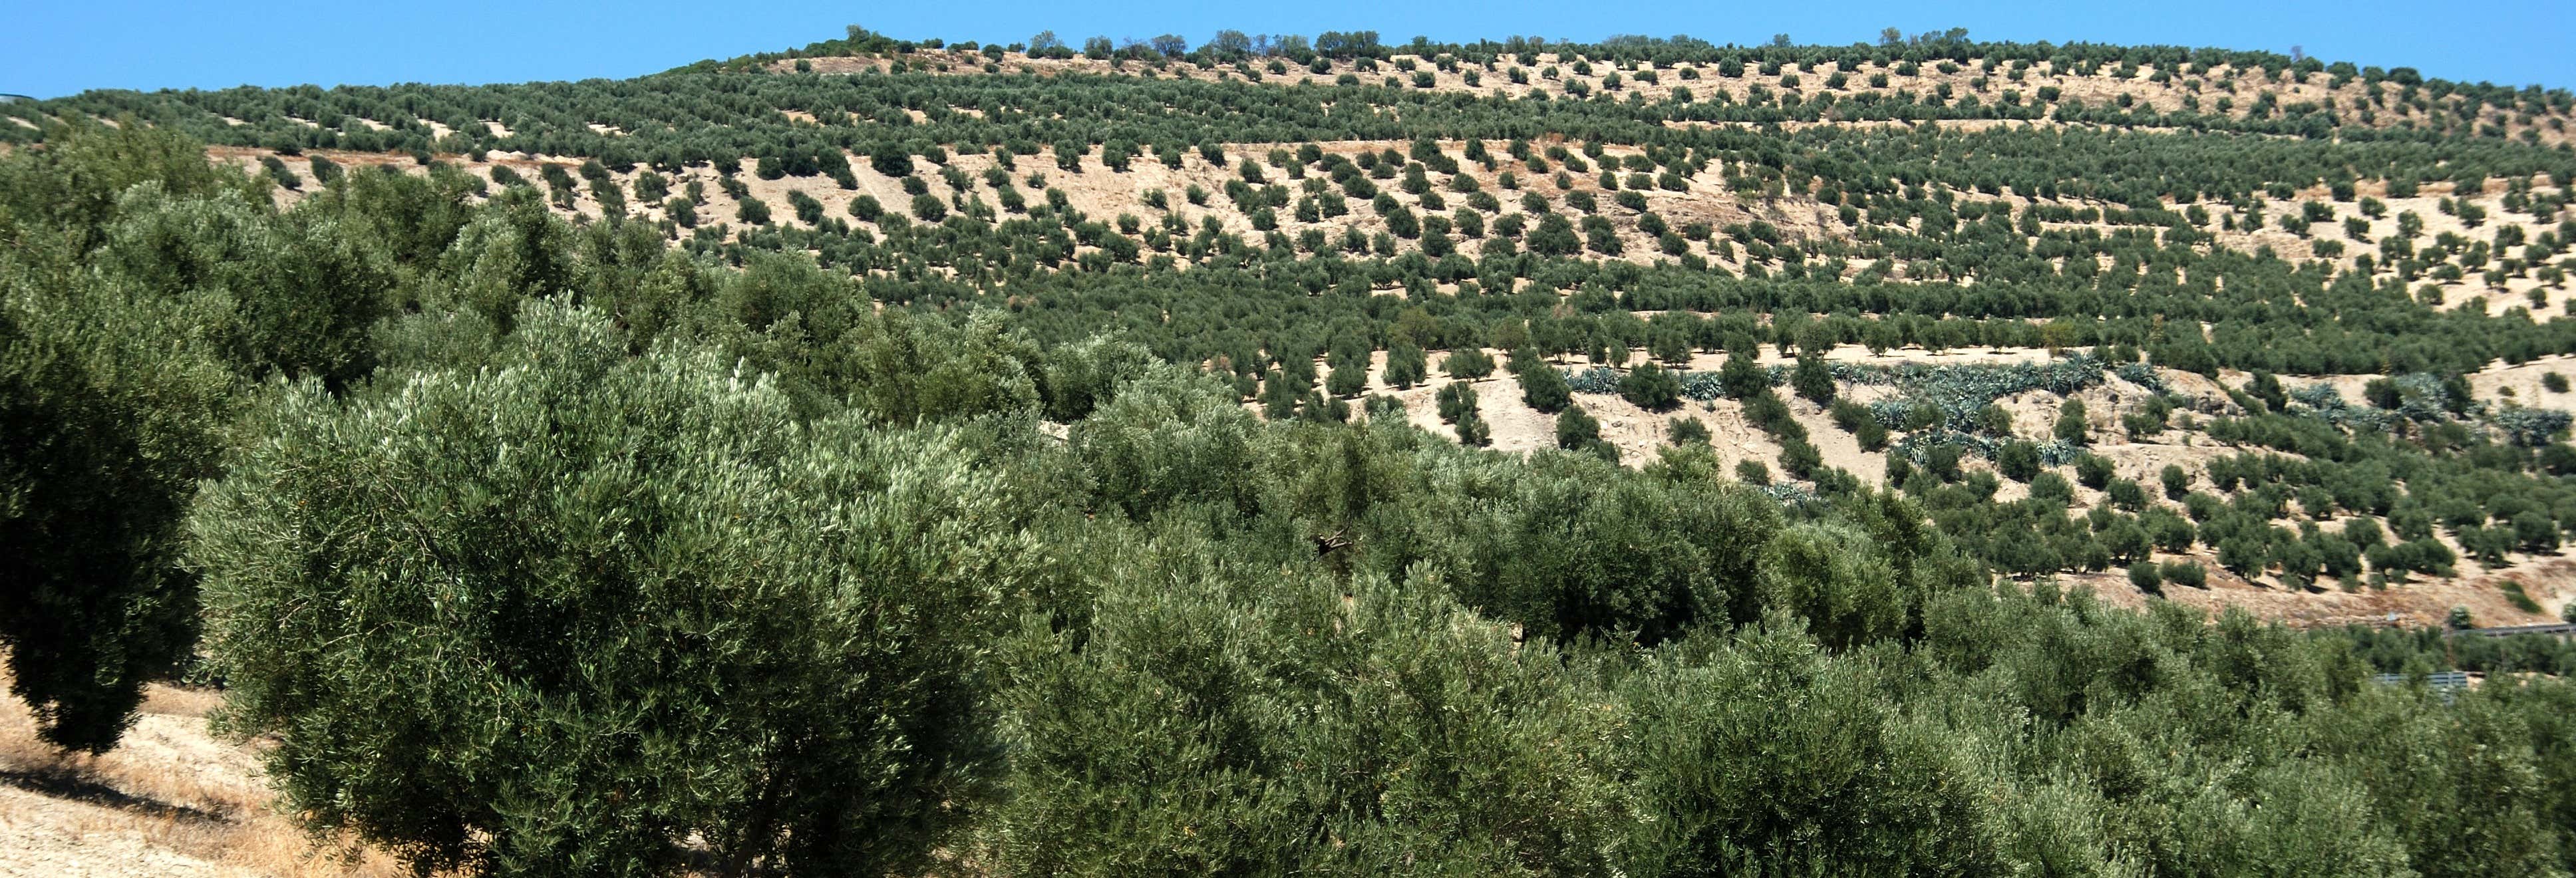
1690	431
1576	428
2093	471
1651	387
1471	364
1752	472
2147	577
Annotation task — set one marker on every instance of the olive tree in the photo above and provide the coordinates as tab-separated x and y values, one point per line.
1651	387
1543	387
1212	716
1769	752
1468	364
304	291
110	407
580	613
115	384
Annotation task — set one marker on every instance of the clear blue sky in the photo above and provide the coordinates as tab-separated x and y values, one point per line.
49	49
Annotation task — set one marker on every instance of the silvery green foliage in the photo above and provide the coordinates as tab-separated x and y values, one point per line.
1919	445
298	294
2319	396
1701	386
1704	386
2420	397
1862	373
1960	392
1796	494
1077	377
2145	376
1599	379
2322	400
574	613
2531	427
1890	413
1219	716
1744	749
2059	452
1171	436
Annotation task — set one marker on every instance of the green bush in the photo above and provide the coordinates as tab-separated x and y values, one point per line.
1406	365
1473	431
1690	431
1456	399
112	407
2094	471
2072	425
1812	379
850	534
515	593
1650	387
1800	458
929	208
1542	386
1468	364
1845	786
2177	483
1423	738
1576	428
2018	461
2147	577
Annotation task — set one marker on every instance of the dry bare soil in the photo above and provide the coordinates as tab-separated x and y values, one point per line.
171	800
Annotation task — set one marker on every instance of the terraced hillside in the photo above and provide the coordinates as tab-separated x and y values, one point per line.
1882	207
1973	399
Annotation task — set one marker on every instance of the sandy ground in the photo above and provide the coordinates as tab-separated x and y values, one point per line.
171	800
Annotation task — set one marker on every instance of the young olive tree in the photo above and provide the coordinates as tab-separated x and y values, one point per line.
1542	387
577	614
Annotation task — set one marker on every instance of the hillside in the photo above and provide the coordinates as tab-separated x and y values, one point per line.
900	456
2491	245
